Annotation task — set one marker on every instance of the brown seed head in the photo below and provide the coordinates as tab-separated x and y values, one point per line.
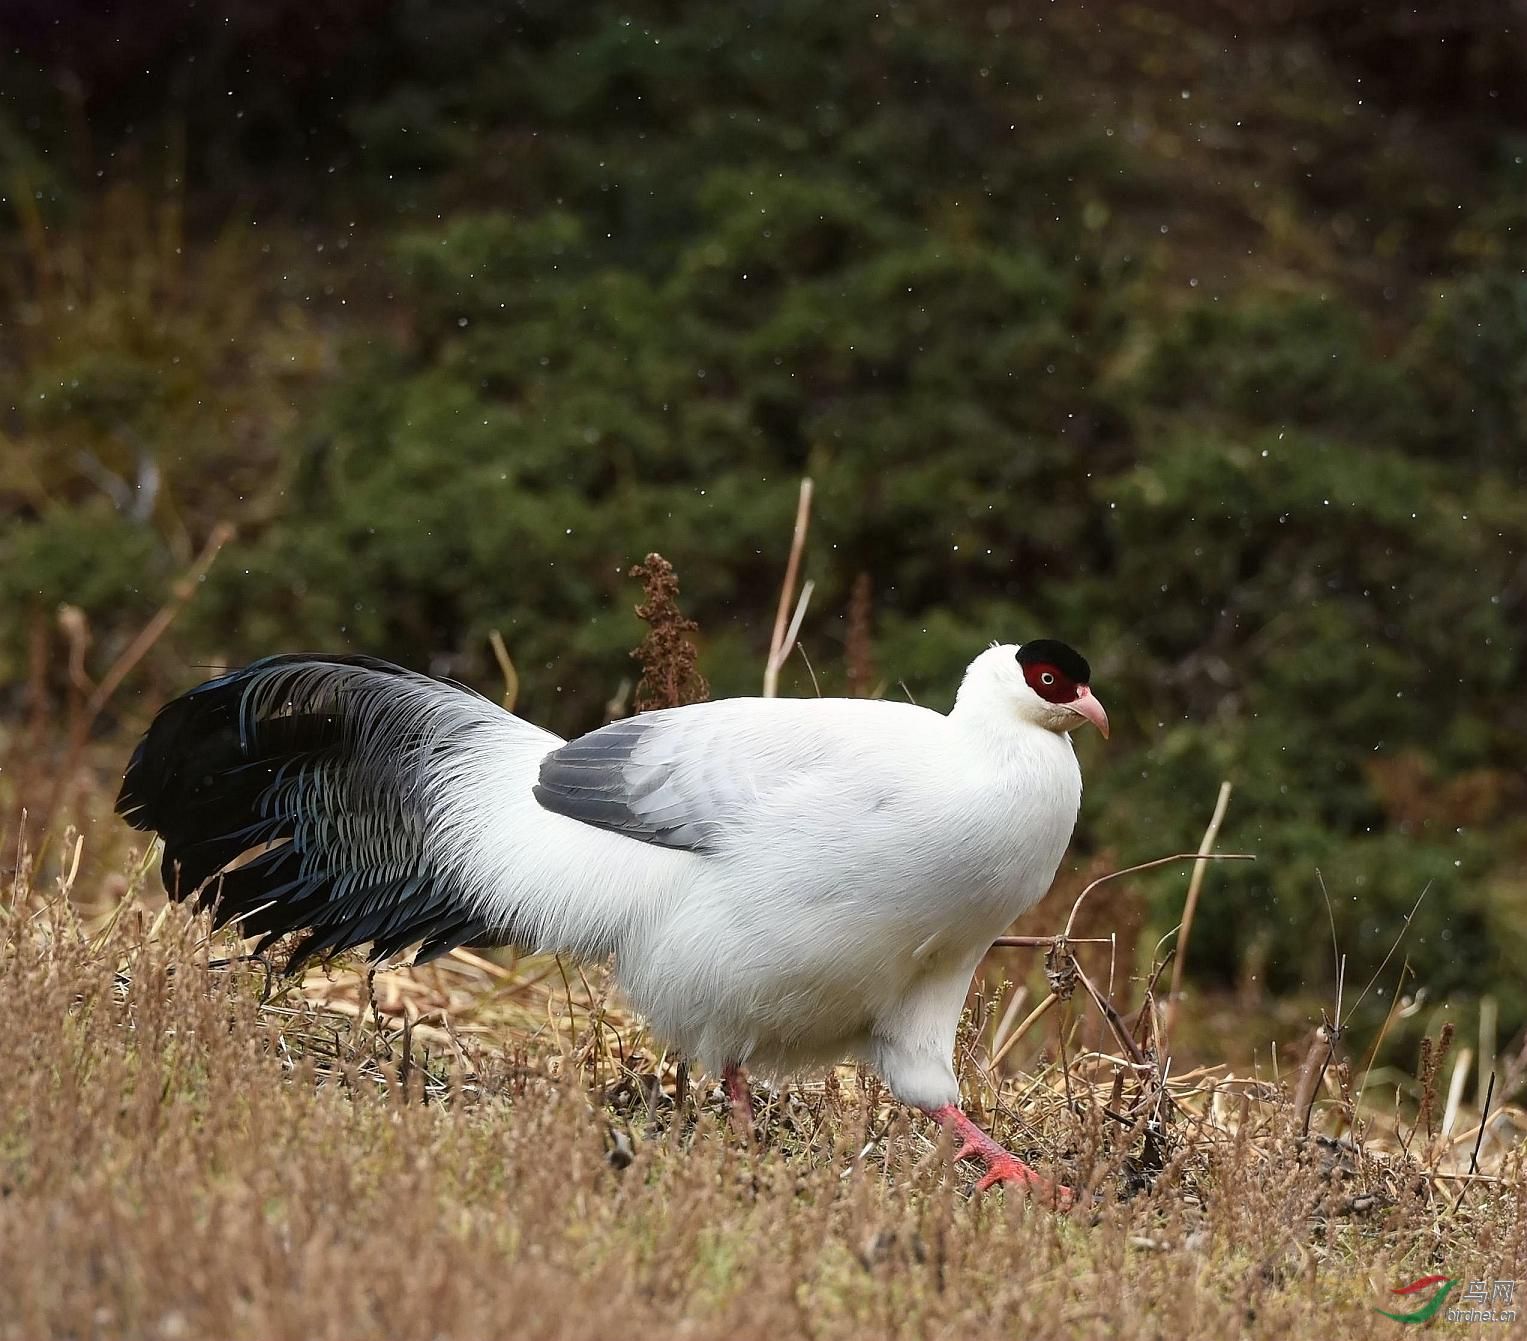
670	672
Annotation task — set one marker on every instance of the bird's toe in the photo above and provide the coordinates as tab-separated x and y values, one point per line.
1013	1170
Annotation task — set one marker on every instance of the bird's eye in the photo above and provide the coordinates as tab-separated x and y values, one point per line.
1047	678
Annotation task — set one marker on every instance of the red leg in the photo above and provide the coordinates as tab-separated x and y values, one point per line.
739	1098
1002	1166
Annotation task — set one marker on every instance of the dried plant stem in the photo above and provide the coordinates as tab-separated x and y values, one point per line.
1147	866
1431	1062
793	632
1195	884
180	597
779	642
1312	1074
1404	927
1062	942
1013	1039
1378	1042
1115	1020
1488	1015
1044	942
506	669
1479	1140
79	731
1010	1011
1463	1060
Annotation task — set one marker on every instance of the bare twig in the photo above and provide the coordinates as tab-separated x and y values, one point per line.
1115	1020
1150	987
506	669
1403	929
1488	1014
779	642
780	655
180	596
1010	1012
1012	1040
1058	947
1312	1074
1479	1140
1195	884
816	688
1378	1042
1147	866
1044	942
1337	958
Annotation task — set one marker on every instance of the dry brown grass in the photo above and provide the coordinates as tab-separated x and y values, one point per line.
478	1149
195	1146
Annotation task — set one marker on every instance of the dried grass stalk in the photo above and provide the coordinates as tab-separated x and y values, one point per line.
786	627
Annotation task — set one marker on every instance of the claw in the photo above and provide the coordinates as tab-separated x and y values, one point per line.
1012	1170
1002	1166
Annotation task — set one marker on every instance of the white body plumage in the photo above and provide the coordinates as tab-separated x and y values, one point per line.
859	857
782	883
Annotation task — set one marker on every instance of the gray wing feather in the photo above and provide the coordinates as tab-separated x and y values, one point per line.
698	778
639	778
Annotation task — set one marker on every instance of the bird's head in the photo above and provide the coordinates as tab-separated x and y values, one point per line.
1043	682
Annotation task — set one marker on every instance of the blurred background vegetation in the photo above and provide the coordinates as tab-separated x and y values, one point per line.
1192	333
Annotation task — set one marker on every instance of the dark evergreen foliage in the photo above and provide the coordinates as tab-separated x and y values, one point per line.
1153	333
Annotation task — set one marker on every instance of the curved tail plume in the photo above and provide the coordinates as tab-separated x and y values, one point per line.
306	793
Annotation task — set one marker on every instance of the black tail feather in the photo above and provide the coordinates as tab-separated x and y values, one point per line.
269	757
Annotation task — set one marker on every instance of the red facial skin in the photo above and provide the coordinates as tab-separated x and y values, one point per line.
1064	692
1060	689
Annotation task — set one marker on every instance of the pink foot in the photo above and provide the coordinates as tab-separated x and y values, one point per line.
739	1099
1002	1166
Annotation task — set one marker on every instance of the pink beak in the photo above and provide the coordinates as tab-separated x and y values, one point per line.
1086	705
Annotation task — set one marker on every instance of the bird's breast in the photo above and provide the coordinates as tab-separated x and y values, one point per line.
1020	823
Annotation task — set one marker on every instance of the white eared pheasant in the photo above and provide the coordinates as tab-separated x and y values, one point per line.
783	883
